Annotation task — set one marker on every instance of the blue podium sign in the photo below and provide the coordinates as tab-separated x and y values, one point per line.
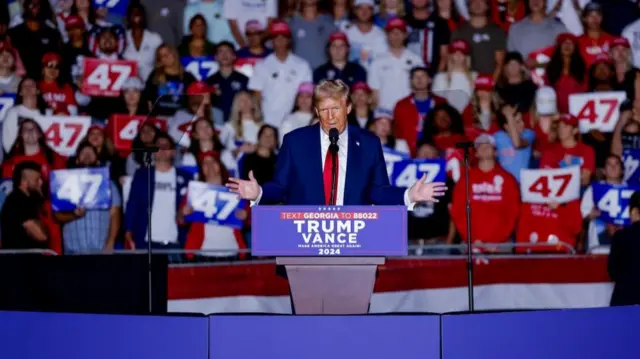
329	231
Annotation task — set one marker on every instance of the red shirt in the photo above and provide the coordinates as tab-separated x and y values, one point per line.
590	48
565	86
540	224
541	142
407	120
449	141
495	202
505	12
557	156
59	98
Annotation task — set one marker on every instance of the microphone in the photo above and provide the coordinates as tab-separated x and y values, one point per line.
333	138
333	148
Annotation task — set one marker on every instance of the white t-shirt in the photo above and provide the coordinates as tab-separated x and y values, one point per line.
146	56
249	134
163	211
245	10
458	92
390	76
366	47
278	83
220	240
632	33
294	121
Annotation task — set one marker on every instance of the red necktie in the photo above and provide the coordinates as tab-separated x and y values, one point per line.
327	178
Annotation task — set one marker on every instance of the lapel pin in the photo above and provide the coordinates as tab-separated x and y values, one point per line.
357	143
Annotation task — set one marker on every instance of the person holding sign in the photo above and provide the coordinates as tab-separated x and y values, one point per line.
360	163
624	259
60	96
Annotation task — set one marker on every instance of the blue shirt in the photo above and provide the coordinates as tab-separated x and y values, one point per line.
423	106
226	89
510	158
351	74
244	53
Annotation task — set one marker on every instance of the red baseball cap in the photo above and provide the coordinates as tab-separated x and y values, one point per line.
51	57
338	35
205	154
566	36
360	86
603	58
569	119
621	41
396	23
459	45
73	22
279	27
198	88
484	83
253	25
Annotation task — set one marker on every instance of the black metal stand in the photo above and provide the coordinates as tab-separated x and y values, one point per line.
466	146
334	181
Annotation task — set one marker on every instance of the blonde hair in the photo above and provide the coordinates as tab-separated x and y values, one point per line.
467	70
331	89
159	76
399	8
236	120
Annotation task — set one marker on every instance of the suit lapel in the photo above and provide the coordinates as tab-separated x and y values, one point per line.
353	161
316	166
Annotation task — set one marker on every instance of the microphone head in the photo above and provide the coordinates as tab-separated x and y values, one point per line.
333	135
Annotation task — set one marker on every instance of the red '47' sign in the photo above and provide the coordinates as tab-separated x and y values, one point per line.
124	128
560	185
64	133
106	77
597	110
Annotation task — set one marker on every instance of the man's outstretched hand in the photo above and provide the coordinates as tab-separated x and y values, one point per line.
426	192
245	189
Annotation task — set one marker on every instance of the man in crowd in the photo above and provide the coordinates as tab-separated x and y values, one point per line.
226	82
165	18
429	35
366	40
339	67
238	13
594	41
311	29
534	32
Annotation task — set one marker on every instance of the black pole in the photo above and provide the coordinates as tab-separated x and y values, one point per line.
469	246
334	180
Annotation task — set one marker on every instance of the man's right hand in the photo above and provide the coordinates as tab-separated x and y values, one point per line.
249	190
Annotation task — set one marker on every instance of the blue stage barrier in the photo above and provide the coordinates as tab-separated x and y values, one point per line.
27	335
555	334
315	337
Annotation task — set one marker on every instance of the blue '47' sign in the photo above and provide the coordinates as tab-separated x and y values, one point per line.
89	188
407	172
213	204
613	202
631	159
6	102
201	67
118	7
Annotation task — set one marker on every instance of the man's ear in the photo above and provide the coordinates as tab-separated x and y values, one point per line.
348	109
317	112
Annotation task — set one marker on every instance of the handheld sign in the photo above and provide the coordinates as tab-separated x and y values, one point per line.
391	157
118	7
329	231
454	164
124	128
64	133
560	185
6	186
104	78
89	188
7	101
201	67
613	202
631	161
407	172
213	204
597	110
246	66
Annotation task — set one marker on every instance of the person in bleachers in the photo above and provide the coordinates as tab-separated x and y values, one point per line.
456	83
255	50
382	126
169	185
514	85
623	265
429	35
90	230
340	11
165	18
142	43
107	155
626	134
495	199
366	40
536	31
216	241
447	10
226	82
262	162
361	103
146	137
625	74
311	30
9	79
59	95
594	41
20	219
130	100
29	104
218	27
480	116
89	14
487	41
631	33
339	67
443	128
204	139
302	113
239	12
388	74
514	142
74	50
566	71
240	133
196	43
569	150
198	105
601	79
389	9
543	119
411	112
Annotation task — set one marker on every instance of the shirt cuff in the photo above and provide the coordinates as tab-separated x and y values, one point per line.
257	201
407	201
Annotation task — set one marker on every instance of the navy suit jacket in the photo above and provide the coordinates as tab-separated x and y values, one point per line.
298	176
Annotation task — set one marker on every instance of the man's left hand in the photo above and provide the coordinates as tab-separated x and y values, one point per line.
426	192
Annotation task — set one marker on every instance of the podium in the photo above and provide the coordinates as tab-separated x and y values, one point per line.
330	253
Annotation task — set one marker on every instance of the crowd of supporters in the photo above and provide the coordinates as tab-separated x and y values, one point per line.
223	81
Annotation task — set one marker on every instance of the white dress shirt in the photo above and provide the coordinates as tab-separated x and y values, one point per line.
343	144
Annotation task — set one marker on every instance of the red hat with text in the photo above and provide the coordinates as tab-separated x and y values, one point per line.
360	86
484	83
73	22
396	23
566	36
459	45
279	27
602	58
621	41
569	119
338	35
50	57
198	88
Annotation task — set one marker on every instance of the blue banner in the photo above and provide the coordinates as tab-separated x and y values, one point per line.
6	186
89	188
391	157
407	172
329	231
613	202
7	100
201	67
116	7
214	204
631	160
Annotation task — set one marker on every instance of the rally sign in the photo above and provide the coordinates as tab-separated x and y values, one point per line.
631	160
89	188
391	157
559	185
7	101
454	164
201	67
407	172
124	128
64	133
613	202
597	110
105	77
329	231
6	187
213	204
246	66
117	7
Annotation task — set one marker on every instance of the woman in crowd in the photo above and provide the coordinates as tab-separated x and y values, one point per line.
204	139
381	126
142	43
262	162
514	142
447	10
59	95
443	128
543	119
388	10
9	79
29	104
196	44
514	85
302	112
106	152
361	112
456	84
626	134
480	115
625	74
131	101
168	82
340	10
240	134
566	71
216	242
146	137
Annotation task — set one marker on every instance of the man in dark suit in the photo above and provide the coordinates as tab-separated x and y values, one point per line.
624	258
303	173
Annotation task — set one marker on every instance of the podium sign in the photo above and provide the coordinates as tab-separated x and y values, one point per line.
346	231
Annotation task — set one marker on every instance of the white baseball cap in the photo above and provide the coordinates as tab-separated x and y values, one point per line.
363	2
133	83
546	101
